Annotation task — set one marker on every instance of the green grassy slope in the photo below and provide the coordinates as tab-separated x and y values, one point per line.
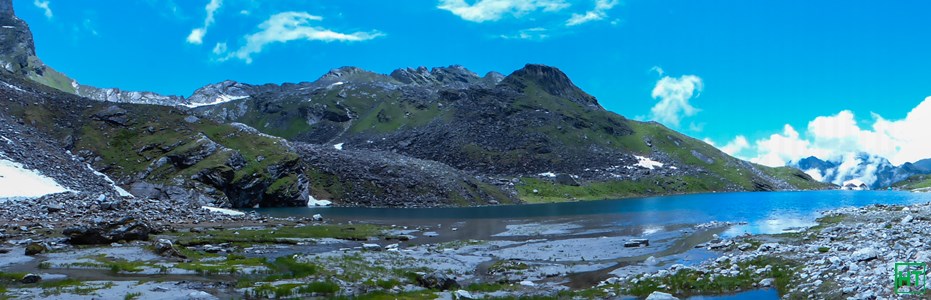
914	182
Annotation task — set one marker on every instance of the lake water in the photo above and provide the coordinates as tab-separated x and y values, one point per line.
763	212
756	213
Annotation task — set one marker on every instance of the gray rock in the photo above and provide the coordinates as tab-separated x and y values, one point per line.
657	295
865	254
437	281
463	294
35	248
30	278
125	229
566	179
201	295
767	282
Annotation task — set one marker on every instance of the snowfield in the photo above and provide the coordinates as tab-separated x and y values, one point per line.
647	163
224	211
19	182
220	99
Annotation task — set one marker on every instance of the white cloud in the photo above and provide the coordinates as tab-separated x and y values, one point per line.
291	26
534	34
599	13
659	70
738	144
839	137
219	49
674	95
197	34
44	5
493	10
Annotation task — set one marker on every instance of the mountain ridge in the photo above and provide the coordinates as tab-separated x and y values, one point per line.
412	138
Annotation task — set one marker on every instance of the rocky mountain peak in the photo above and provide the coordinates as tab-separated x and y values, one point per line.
353	75
418	76
455	76
6	8
17	50
220	92
551	80
343	72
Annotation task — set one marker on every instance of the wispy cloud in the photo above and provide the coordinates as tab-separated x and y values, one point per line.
197	34
533	34
598	13
219	49
493	10
44	6
292	26
674	95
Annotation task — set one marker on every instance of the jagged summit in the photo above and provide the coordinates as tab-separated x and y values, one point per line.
551	80
18	49
454	76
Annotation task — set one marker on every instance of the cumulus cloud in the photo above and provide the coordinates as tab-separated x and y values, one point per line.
533	34
674	95
291	26
493	10
598	13
738	144
197	34
44	6
840	137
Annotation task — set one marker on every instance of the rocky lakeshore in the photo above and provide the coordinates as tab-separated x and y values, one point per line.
851	254
204	254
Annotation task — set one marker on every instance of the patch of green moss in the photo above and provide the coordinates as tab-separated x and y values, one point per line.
345	232
688	282
533	190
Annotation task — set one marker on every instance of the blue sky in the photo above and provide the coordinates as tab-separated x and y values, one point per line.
843	75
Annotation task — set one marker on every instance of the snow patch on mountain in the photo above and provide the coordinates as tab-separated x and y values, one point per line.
647	163
224	211
17	182
220	99
118	189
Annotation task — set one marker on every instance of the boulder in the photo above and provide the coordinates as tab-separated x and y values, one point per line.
53	208
114	115
661	296
30	278
35	248
767	282
371	247
200	295
436	281
566	179
125	229
865	254
165	247
463	294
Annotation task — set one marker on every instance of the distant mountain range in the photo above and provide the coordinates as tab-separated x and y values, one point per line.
875	171
415	137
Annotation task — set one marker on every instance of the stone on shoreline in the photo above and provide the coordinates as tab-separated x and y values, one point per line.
30	278
657	295
35	248
125	229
